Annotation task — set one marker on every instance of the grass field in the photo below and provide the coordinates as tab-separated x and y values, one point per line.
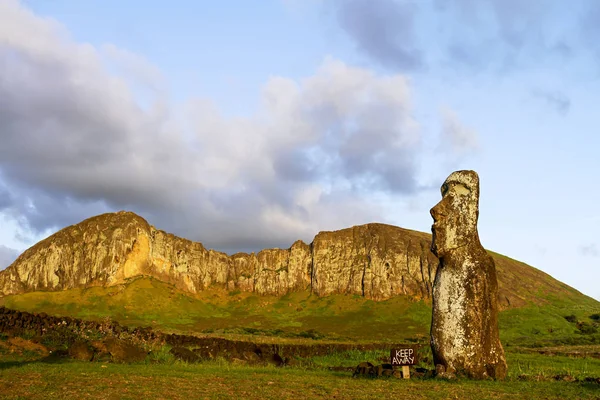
549	356
150	302
531	376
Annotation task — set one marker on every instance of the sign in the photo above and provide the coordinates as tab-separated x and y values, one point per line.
404	356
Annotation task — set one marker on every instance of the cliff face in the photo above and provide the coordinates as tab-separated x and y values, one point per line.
376	261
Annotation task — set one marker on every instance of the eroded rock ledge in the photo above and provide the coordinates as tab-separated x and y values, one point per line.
376	261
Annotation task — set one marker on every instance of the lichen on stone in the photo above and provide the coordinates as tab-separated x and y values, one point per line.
464	328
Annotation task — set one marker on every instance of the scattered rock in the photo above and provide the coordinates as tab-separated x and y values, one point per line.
292	362
251	357
183	354
124	351
364	368
591	379
57	356
20	344
99	346
205	353
81	351
101	353
379	370
564	377
276	360
238	361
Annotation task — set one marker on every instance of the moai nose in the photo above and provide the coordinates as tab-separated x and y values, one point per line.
435	212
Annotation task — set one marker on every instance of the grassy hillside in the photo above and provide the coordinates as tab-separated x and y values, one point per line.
522	285
150	302
217	380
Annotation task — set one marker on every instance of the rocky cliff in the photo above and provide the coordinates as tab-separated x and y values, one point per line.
376	261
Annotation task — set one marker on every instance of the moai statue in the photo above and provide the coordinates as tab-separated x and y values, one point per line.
464	328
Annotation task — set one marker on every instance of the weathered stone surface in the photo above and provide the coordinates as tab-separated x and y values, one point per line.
184	354
373	260
377	261
81	351
464	330
364	368
124	351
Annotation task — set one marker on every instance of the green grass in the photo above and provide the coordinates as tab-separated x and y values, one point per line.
217	379
538	326
300	315
26	374
149	302
540	366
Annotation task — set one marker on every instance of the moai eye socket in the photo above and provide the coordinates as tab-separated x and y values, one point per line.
444	189
455	188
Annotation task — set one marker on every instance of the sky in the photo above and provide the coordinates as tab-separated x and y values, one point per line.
251	126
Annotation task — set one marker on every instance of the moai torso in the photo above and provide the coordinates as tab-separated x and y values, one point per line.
464	329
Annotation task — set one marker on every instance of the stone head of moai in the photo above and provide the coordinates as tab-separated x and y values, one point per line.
464	326
455	216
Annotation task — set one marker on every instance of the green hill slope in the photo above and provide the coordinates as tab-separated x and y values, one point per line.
149	302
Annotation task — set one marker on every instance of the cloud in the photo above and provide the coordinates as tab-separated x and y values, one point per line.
5	197
76	142
555	99
7	256
589	250
134	67
455	135
502	35
384	30
590	28
497	36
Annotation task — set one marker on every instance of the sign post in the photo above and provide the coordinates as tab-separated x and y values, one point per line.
404	357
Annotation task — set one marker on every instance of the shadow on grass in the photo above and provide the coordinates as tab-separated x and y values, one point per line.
55	358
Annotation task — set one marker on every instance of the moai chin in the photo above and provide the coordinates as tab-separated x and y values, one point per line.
464	327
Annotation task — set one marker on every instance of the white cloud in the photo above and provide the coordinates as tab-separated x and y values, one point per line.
76	142
460	138
134	67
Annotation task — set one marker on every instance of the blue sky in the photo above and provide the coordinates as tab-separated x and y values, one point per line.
246	127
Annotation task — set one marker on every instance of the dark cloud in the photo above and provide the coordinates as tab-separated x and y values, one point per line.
555	99
382	29
590	28
463	54
498	36
76	143
5	197
563	49
7	256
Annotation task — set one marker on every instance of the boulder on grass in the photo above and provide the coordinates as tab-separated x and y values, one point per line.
183	354
81	351
364	368
124	351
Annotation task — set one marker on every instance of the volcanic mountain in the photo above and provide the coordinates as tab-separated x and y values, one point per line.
375	261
